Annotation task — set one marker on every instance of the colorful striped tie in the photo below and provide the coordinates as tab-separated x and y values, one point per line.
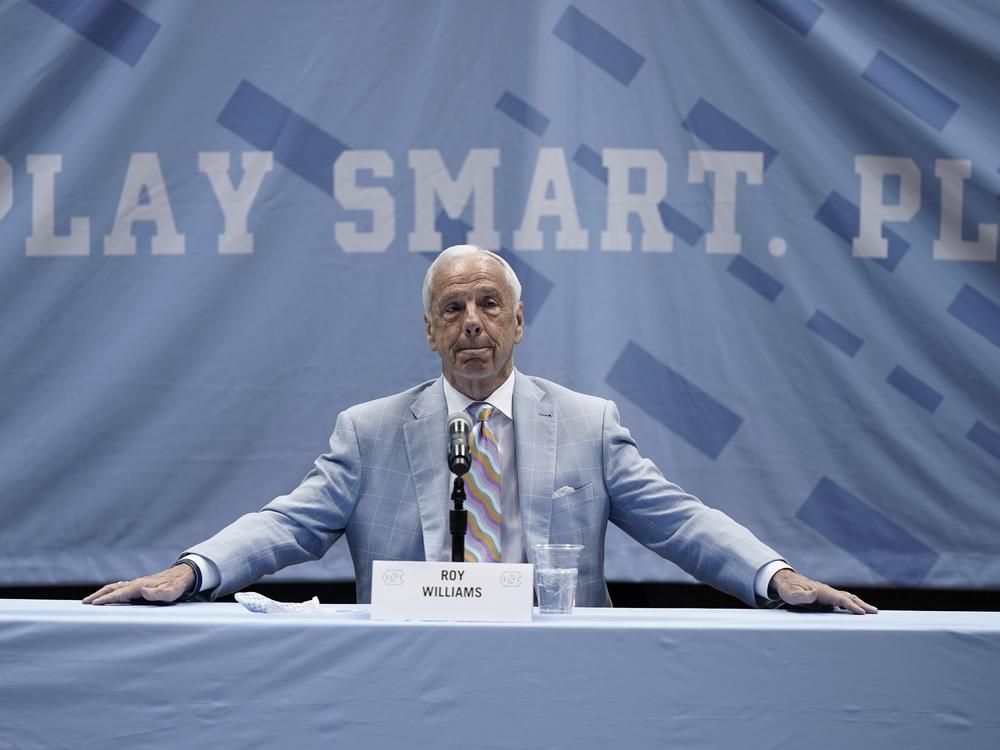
482	486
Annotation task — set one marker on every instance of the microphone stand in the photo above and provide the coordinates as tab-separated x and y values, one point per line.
459	519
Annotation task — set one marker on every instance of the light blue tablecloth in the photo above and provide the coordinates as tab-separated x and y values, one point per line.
217	676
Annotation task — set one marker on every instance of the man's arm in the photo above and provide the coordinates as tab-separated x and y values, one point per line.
703	541
658	514
290	529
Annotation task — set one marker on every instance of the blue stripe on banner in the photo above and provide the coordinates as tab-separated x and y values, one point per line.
113	25
801	15
591	162
520	111
598	45
843	218
986	438
756	278
263	121
874	539
826	327
673	400
978	312
679	224
910	91
916	389
535	286
722	132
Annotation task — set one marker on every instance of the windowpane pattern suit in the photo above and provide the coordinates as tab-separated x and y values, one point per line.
384	485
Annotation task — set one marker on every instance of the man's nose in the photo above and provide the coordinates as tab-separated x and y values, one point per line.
472	325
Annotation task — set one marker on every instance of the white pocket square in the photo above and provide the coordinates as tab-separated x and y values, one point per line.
564	490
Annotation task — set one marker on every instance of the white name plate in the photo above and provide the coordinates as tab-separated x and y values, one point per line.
459	592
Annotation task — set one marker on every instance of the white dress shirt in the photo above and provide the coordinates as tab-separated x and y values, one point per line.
511	531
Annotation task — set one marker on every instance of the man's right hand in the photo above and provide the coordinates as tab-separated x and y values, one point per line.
166	586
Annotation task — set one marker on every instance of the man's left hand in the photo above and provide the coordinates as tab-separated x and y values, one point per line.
799	591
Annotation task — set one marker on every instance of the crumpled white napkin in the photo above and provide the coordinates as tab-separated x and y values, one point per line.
259	603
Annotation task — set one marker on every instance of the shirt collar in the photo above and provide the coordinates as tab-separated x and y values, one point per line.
502	399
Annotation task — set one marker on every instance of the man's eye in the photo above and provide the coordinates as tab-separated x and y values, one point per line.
491	303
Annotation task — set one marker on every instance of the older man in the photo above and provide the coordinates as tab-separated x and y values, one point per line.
557	466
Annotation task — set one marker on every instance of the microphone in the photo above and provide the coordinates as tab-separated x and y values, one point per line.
459	429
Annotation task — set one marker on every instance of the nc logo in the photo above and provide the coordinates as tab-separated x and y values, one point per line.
510	579
392	577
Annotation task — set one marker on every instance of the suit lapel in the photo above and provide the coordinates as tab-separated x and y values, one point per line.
535	445
426	442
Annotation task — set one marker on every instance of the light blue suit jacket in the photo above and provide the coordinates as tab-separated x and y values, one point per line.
385	485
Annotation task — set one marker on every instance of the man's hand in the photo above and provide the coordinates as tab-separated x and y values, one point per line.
166	586
800	591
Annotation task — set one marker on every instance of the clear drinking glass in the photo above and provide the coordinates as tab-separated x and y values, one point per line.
555	577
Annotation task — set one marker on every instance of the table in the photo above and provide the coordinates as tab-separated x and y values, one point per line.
216	676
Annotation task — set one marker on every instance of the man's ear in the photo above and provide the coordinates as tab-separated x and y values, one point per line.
519	317
428	333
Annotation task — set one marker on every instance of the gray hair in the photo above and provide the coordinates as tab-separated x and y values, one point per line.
461	251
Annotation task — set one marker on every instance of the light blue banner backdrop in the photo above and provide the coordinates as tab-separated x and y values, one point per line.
767	230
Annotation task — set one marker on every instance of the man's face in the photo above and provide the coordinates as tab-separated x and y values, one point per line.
473	324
